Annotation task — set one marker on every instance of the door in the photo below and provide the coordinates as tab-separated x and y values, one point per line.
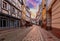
3	23
0	22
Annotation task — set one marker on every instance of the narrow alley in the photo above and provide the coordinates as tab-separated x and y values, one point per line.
29	20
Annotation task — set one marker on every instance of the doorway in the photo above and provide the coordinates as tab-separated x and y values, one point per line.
0	22
3	22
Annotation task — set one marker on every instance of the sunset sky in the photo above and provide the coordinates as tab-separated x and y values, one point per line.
33	5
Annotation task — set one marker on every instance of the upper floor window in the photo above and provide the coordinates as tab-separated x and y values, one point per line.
4	5
18	13
21	1
12	9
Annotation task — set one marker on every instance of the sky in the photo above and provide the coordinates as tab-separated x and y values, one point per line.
33	5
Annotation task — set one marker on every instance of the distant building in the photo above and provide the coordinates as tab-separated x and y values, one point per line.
39	14
28	14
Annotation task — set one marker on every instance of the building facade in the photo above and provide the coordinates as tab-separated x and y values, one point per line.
54	16
10	14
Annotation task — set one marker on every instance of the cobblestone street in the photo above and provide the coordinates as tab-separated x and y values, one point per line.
33	33
39	34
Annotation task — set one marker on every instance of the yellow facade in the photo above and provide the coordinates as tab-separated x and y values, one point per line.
43	3
44	14
44	9
23	12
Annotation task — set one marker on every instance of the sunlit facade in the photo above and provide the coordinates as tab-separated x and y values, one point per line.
10	13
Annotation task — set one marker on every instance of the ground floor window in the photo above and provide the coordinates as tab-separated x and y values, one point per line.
3	22
11	23
0	22
17	23
8	22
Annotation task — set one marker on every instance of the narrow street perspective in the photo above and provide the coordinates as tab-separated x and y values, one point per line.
29	20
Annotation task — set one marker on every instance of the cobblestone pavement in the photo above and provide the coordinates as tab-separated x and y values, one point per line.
33	33
39	34
14	34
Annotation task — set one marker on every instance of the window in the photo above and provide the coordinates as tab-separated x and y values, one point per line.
27	14
4	5
13	10
18	13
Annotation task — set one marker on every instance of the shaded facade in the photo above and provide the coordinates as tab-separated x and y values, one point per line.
54	17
